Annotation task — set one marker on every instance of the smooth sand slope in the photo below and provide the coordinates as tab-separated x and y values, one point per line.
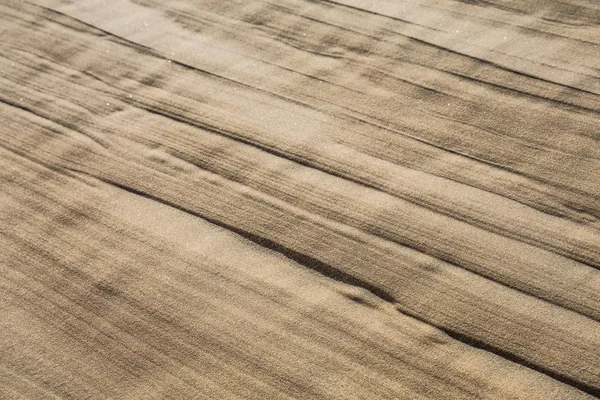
299	199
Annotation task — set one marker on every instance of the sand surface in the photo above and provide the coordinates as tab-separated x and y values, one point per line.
350	199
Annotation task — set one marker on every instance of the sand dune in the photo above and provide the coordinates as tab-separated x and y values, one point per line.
300	199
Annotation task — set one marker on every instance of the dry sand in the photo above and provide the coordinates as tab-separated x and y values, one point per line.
342	199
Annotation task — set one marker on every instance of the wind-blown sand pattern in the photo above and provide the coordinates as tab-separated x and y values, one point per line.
342	199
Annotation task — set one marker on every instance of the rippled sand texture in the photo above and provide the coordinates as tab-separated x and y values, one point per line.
344	199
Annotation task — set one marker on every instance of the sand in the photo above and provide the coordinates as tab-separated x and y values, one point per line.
300	199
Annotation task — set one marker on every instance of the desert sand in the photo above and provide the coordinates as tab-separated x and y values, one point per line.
348	199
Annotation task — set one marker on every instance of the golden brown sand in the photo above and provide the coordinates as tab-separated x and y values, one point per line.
347	199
